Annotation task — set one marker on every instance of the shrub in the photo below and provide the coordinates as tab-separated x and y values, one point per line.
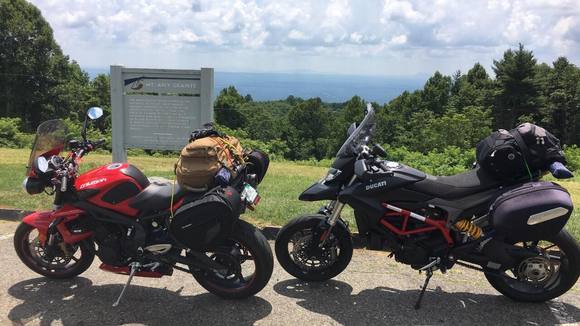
451	160
573	157
9	129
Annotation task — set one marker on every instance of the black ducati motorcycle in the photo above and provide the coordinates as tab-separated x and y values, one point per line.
511	231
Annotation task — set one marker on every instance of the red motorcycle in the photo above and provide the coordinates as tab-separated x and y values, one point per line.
135	225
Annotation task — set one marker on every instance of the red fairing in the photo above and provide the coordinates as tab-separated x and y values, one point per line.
41	221
104	179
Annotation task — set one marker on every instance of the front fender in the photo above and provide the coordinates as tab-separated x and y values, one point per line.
41	221
320	191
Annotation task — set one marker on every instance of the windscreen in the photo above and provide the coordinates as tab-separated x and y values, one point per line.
360	136
50	140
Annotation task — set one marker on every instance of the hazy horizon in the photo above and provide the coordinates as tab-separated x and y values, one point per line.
328	87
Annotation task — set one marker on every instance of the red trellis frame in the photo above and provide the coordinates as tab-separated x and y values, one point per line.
432	224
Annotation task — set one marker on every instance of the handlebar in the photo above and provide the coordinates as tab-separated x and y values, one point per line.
98	143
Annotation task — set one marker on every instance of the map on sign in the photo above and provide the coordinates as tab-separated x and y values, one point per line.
158	109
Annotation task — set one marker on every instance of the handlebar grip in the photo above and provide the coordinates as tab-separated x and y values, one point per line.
63	184
98	142
560	171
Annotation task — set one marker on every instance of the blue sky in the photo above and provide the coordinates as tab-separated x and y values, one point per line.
363	37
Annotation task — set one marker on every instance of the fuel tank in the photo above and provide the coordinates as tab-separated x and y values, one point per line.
385	185
112	186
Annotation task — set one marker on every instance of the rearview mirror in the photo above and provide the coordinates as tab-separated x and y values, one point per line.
94	112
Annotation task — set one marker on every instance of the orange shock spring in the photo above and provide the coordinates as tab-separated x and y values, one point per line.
468	227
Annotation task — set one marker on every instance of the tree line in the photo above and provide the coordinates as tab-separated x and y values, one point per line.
446	117
457	110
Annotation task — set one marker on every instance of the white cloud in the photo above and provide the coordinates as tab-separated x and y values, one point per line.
399	39
316	34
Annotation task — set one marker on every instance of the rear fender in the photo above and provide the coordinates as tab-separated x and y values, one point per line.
41	221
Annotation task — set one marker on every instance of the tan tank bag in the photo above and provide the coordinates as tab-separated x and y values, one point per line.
202	158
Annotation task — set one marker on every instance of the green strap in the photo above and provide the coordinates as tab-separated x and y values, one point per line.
171	203
528	168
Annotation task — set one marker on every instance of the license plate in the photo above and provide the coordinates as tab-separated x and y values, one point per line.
250	195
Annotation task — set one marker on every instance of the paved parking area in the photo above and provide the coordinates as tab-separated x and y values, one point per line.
372	291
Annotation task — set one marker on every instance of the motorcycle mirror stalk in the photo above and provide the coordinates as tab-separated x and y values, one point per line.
93	113
378	150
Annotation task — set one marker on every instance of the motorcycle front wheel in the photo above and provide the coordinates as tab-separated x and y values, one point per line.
248	261
549	274
60	262
298	251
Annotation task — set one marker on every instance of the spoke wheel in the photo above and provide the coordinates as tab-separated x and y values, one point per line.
550	273
61	260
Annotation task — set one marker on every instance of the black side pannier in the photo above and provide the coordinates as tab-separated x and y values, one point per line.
208	220
518	152
257	163
532	211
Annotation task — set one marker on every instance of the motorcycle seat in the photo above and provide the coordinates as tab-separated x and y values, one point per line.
456	186
157	196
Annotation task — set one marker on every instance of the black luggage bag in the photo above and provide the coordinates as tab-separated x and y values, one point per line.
532	211
522	151
207	221
257	164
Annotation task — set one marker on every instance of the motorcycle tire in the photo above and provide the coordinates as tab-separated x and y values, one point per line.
246	243
31	254
293	261
556	284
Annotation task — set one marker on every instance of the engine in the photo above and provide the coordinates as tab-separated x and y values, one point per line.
417	251
109	238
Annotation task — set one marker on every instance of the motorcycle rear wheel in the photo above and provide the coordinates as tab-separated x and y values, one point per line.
249	261
544	277
294	241
63	265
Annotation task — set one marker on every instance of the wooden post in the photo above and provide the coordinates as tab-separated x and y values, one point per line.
118	115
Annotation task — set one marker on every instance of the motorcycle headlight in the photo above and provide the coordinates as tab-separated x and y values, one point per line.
33	185
331	175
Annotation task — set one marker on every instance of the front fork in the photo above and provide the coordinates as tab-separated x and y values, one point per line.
334	208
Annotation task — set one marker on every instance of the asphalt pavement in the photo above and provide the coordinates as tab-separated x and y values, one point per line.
374	290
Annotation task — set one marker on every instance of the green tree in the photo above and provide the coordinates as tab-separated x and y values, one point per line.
36	80
561	92
436	92
516	94
226	108
307	130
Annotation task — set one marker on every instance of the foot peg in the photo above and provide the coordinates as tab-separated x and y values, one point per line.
135	267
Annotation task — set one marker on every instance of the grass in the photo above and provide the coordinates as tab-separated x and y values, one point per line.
279	190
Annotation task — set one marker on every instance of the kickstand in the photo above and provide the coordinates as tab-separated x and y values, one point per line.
418	304
134	268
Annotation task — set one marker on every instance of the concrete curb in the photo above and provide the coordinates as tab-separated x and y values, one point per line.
13	214
269	231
